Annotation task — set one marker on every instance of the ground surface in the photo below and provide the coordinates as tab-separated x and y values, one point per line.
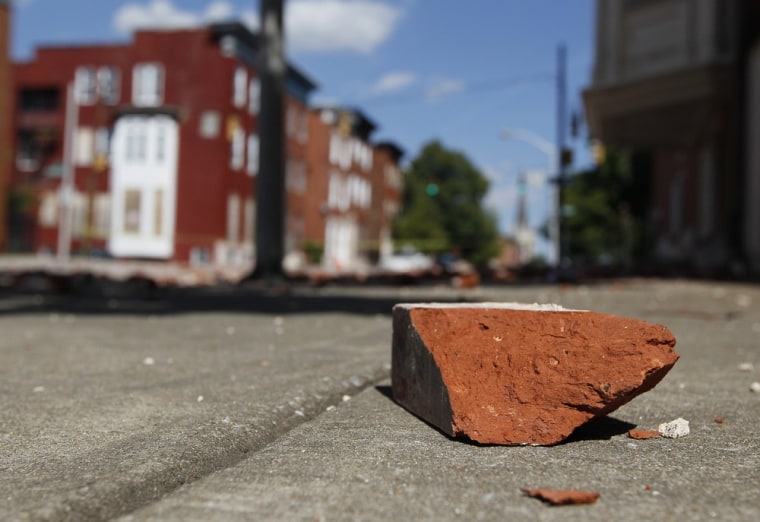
238	405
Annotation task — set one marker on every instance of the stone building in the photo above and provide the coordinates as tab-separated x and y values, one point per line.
680	80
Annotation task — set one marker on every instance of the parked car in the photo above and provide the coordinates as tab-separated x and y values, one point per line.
407	261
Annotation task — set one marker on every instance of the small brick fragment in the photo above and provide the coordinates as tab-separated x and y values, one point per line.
559	497
501	373
643	434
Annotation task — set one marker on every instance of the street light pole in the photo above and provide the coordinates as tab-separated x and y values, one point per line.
552	155
560	155
270	189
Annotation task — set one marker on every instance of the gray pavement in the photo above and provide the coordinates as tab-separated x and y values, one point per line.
229	405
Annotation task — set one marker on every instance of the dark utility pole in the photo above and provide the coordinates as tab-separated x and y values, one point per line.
562	154
270	183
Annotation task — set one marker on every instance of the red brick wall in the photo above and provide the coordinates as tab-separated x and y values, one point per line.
318	167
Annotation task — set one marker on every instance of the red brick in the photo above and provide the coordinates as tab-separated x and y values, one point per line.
560	497
514	374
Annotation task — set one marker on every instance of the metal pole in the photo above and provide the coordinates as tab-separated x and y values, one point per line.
561	130
552	208
270	185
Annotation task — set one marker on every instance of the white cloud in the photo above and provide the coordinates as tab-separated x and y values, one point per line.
393	82
219	10
156	14
250	18
338	25
310	25
443	87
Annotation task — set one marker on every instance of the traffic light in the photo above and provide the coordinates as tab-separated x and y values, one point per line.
567	157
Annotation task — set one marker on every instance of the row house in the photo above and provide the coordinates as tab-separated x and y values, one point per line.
6	156
357	191
155	146
680	81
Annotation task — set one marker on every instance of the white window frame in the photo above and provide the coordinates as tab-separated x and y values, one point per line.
237	148
84	146
239	87
210	124
109	84
85	85
148	84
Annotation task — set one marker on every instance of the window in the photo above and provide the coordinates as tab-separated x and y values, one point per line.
158	212
28	154
210	124
78	214
254	96
39	100
291	116
102	142
237	153
85	88
48	211
102	214
240	79
109	84
137	138
295	175
160	143
84	146
303	128
132	211
249	220
233	218
148	84
253	154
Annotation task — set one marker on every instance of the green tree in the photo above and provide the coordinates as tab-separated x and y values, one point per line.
608	206
442	206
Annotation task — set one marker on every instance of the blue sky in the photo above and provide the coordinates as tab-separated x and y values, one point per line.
450	70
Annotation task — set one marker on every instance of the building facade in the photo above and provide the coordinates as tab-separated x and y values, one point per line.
6	104
678	79
150	150
356	191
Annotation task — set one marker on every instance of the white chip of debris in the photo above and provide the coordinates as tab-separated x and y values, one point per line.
755	387
674	429
534	307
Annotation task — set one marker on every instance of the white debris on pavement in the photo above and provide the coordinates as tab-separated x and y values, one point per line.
200	398
755	387
743	301
346	398
38	389
746	367
149	361
674	429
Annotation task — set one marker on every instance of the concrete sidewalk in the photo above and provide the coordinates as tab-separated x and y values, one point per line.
107	407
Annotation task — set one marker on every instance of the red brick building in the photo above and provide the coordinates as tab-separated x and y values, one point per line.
356	189
162	138
5	120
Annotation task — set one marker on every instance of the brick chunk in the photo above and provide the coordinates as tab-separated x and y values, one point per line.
503	373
